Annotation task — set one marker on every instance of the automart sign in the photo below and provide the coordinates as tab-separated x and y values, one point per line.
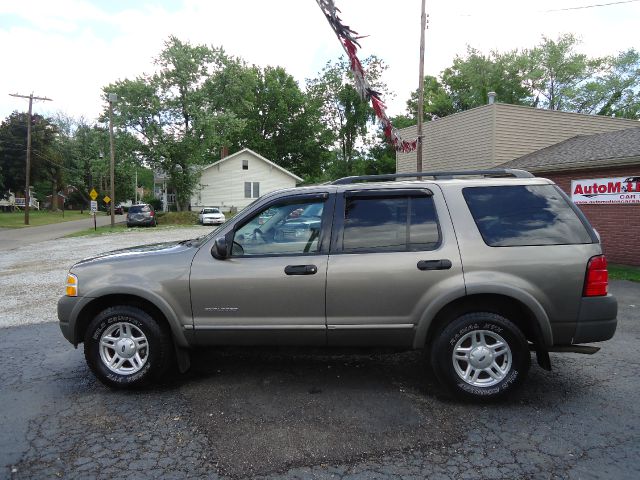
606	190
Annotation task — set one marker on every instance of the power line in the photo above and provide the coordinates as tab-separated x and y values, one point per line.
591	6
583	7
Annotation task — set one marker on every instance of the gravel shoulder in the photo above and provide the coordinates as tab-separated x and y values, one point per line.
33	275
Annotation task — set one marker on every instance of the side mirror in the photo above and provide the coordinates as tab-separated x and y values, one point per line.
220	248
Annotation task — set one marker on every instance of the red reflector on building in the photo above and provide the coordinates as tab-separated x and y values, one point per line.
596	282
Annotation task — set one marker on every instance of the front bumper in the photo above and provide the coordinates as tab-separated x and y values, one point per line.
212	221
597	320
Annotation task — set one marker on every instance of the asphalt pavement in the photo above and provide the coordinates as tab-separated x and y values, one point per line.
12	238
294	414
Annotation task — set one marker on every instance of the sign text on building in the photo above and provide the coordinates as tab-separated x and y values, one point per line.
606	190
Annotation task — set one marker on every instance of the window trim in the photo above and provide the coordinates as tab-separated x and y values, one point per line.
337	238
325	222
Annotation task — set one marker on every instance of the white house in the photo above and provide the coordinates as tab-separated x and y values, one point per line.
238	179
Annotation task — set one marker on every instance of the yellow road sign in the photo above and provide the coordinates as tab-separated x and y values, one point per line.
106	199
93	194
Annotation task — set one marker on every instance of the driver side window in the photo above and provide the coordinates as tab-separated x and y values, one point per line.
282	229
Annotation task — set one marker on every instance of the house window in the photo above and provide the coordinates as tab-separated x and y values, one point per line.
245	164
247	189
256	189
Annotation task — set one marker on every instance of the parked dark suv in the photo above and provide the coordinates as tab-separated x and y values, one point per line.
478	268
141	215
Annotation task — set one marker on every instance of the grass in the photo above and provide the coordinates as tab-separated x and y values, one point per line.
36	218
624	272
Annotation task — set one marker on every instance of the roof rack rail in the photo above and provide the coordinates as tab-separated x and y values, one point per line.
500	172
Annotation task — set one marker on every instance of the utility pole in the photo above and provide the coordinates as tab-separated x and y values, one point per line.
27	196
112	99
423	23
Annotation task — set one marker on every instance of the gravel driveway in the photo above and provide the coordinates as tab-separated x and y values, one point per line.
35	273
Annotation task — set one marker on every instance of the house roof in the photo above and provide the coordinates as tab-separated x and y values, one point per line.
620	147
248	150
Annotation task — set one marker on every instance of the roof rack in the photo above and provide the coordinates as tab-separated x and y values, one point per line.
500	172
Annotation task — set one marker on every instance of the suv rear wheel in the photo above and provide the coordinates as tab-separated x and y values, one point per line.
125	347
481	356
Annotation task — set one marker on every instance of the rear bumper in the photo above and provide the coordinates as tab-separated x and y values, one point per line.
597	320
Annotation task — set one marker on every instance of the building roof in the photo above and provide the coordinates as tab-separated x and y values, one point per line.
620	147
248	150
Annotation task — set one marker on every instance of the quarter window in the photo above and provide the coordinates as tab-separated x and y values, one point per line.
405	223
521	215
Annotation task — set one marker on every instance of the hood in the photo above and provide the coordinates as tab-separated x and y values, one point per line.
151	250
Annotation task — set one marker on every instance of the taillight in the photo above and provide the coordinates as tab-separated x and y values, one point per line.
597	280
152	213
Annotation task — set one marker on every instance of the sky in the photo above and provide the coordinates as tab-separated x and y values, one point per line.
68	50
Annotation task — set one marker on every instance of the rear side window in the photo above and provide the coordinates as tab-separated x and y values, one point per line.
522	215
379	224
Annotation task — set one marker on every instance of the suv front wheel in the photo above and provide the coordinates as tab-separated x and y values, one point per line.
481	356
125	347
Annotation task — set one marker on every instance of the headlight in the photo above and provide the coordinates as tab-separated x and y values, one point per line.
72	285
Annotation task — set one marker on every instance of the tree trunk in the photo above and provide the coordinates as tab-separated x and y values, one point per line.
54	195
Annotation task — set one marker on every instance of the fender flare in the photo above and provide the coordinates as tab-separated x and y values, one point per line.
522	297
177	329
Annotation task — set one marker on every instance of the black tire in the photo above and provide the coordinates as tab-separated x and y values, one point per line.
489	327
158	356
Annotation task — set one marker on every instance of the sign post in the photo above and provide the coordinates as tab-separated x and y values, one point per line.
94	206
94	209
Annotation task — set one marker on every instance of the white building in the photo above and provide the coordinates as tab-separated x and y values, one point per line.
235	181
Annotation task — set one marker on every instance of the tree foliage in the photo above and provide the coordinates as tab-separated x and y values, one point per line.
551	75
348	117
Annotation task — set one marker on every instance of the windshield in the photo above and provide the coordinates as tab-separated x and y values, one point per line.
210	210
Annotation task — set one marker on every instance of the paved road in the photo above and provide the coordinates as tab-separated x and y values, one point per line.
11	238
265	413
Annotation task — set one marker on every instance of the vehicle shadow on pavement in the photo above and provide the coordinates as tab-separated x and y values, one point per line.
267	410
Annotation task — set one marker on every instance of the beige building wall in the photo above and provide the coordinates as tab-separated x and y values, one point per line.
493	134
222	183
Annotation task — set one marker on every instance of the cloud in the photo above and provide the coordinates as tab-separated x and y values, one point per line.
70	49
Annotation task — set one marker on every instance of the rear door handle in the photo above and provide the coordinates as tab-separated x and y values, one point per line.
443	264
300	269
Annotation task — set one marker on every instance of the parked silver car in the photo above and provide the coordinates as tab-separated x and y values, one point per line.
478	268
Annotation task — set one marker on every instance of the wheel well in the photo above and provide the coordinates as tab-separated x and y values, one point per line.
508	307
99	304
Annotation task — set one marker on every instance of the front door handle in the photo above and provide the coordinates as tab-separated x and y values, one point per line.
300	269
443	264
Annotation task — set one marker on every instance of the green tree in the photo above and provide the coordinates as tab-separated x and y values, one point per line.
615	91
557	71
164	110
347	115
45	164
437	101
285	125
